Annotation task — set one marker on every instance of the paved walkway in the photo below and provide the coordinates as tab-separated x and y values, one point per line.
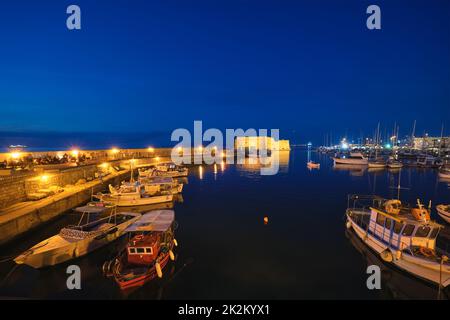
23	208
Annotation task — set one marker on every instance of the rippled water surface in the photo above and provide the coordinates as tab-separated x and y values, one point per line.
226	251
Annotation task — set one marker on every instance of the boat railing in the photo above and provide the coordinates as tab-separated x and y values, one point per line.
357	201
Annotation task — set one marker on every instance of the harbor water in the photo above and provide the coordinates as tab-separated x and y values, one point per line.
228	251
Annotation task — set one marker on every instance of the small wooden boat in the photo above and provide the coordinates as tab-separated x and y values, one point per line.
444	211
78	240
403	236
147	252
128	195
313	165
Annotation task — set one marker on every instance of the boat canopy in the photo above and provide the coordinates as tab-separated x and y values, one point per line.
158	220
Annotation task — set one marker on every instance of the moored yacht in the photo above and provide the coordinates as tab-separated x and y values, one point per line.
377	163
429	161
355	158
403	236
394	164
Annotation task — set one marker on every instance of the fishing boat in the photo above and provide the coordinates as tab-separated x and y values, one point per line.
444	172
313	165
156	184
134	194
428	161
355	158
150	246
402	236
444	211
165	170
78	240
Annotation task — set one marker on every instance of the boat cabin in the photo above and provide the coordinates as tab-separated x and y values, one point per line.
143	248
149	236
402	232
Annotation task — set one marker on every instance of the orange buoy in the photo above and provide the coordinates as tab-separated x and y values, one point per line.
266	219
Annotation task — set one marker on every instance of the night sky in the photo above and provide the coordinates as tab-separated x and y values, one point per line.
305	67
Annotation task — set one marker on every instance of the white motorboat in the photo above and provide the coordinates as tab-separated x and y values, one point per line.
429	161
405	237
165	170
156	184
78	240
128	195
378	163
444	211
355	158
394	164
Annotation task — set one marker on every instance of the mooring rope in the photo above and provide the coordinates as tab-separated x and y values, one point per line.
9	274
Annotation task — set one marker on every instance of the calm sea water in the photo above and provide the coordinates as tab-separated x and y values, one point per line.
226	251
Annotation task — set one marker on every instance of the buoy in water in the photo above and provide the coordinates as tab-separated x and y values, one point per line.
266	219
158	270
175	242
171	255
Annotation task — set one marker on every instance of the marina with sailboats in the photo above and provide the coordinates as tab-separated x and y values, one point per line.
124	235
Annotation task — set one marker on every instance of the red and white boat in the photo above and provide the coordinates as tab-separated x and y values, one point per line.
147	252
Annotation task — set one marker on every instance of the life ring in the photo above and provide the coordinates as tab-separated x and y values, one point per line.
393	206
427	252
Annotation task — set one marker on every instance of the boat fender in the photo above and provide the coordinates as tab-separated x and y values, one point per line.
386	255
348	224
171	255
158	270
398	254
106	268
175	242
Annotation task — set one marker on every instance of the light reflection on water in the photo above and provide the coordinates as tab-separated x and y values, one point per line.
227	251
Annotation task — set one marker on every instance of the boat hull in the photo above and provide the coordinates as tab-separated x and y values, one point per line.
56	249
376	165
443	213
138	280
137	200
350	161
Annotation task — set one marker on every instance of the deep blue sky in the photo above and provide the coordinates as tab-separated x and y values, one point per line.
306	67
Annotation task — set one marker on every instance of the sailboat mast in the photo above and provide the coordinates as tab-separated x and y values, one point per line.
440	141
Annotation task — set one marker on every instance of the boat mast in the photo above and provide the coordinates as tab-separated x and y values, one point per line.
440	141
412	135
